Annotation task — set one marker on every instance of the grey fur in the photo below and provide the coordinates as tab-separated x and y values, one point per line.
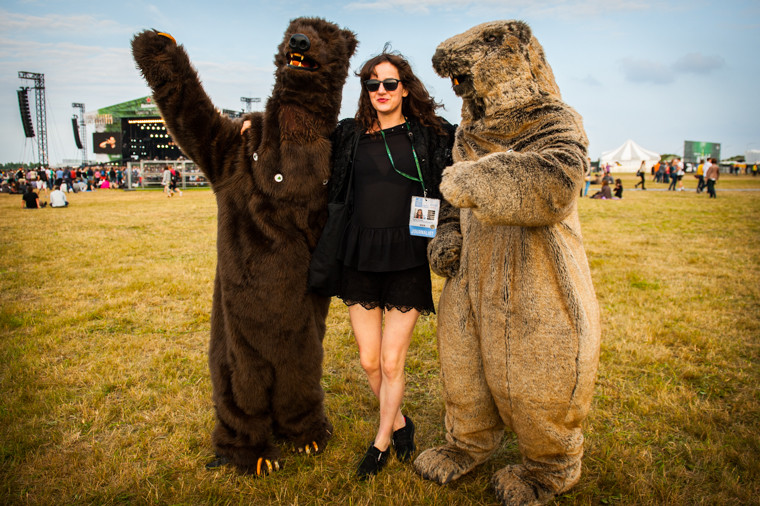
518	326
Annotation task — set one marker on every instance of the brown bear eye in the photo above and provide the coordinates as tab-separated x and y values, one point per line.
491	38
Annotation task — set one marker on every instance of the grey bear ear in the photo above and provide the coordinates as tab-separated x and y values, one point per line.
520	30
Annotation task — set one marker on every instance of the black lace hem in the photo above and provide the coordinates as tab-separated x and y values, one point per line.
386	306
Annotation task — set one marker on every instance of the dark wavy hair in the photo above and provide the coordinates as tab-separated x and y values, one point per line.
417	104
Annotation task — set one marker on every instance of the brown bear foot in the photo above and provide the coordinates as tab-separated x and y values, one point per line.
312	441
517	486
263	466
250	461
444	464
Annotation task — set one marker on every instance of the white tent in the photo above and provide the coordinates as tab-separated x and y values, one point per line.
752	156
628	157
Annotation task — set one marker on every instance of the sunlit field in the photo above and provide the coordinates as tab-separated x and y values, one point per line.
105	394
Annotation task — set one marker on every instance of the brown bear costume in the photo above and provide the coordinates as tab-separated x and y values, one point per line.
518	326
265	351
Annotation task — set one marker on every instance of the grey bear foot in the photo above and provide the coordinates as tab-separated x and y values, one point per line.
444	464
517	486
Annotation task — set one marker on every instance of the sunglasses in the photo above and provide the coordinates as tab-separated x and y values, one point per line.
388	84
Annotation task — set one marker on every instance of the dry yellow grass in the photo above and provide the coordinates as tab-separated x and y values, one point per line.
105	395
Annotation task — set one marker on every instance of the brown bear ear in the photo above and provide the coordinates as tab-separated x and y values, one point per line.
520	30
351	42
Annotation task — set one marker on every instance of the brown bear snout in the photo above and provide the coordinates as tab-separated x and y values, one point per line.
299	42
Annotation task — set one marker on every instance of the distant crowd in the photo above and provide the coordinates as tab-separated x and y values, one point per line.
707	172
68	179
671	173
56	183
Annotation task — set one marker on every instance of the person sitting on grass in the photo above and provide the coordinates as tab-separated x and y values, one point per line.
58	198
617	192
605	192
31	199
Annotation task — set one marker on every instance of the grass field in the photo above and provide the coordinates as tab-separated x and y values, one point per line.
105	396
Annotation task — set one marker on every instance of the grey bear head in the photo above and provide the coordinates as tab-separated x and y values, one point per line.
494	66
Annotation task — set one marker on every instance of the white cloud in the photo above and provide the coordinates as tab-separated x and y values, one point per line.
696	63
11	22
646	71
509	8
590	80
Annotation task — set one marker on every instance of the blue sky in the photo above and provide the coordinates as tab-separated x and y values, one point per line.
656	72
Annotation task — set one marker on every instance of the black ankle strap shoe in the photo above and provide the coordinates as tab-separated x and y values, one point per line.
374	460
403	441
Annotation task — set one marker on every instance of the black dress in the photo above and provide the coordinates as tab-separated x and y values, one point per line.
385	266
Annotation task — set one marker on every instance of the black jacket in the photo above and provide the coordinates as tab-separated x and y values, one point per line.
433	151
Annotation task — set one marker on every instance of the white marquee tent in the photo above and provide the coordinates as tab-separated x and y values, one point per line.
628	157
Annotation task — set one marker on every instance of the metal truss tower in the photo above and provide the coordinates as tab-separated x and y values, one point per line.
82	130
248	101
41	113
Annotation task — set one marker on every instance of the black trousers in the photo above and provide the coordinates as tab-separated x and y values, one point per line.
711	188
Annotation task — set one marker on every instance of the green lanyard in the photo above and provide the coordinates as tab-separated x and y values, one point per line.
416	162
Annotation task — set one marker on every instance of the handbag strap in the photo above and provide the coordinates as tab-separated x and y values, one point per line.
351	168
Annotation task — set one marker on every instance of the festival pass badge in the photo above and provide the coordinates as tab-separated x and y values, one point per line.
423	217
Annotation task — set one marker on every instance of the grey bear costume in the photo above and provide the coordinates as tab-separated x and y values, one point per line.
518	326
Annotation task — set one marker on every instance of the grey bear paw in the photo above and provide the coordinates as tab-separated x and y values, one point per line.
444	253
444	464
513	490
516	485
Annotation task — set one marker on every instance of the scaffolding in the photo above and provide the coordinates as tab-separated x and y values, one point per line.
41	114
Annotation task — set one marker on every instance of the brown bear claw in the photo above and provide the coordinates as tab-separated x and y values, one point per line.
265	467
310	448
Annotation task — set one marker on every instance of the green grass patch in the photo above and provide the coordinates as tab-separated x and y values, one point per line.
106	397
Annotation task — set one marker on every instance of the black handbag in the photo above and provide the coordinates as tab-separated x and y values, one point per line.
325	268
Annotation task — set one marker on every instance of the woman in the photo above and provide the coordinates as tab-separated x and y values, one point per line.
641	173
394	149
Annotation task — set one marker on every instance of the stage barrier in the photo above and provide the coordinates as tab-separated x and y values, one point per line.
151	172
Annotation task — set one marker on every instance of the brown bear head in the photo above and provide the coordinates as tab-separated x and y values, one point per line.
495	66
312	63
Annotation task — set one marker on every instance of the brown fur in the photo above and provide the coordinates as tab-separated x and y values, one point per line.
265	350
518	327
